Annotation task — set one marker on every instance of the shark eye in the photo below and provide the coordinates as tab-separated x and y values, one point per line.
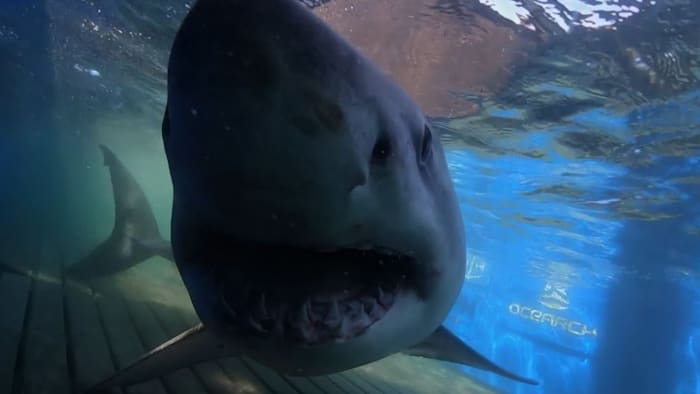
382	150
427	145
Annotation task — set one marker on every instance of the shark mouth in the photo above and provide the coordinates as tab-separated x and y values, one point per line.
309	298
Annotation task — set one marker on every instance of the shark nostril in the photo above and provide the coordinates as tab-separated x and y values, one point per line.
358	179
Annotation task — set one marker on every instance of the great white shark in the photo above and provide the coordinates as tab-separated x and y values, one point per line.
314	221
135	236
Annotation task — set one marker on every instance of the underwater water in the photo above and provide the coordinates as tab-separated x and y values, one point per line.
571	132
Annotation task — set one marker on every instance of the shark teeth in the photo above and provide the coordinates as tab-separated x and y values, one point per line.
314	298
318	320
304	314
386	299
361	323
255	324
260	310
333	317
342	330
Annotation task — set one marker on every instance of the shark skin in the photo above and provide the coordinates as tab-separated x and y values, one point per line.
315	224
135	236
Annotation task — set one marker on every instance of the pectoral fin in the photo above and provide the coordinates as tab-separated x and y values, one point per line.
444	345
195	345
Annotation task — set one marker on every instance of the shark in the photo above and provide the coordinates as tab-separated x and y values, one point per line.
314	221
135	236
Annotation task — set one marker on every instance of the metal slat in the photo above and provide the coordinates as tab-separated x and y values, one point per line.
359	381
179	382
344	383
87	341
213	374
14	295
45	362
124	342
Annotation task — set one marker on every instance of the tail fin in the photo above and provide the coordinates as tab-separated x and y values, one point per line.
195	345
135	236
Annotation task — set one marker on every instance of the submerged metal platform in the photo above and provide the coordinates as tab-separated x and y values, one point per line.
59	336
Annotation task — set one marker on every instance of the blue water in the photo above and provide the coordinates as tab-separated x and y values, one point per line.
630	285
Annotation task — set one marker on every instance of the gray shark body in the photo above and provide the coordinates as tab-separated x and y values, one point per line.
314	221
135	236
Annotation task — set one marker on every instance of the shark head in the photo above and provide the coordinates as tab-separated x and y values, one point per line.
315	222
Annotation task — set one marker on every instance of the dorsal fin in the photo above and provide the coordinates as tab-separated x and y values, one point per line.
444	345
